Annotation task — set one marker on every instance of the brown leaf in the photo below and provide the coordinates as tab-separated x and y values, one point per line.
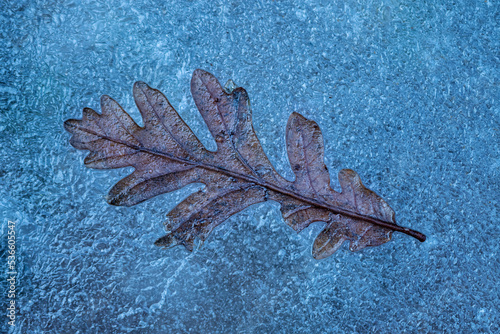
167	156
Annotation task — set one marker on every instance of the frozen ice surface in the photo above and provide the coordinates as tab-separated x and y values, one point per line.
405	92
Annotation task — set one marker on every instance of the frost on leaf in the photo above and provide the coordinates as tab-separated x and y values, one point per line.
166	156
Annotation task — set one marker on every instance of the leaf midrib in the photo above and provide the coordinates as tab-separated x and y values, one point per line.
273	187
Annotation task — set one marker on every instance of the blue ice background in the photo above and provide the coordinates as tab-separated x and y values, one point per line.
405	92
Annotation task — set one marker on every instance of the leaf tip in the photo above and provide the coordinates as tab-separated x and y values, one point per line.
120	198
349	178
166	241
199	72
201	77
140	83
105	99
170	240
140	86
70	125
296	121
106	103
320	254
112	200
295	116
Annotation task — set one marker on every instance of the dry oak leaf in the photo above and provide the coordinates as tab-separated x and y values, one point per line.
167	156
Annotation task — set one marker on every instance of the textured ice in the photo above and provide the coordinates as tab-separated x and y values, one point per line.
406	93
